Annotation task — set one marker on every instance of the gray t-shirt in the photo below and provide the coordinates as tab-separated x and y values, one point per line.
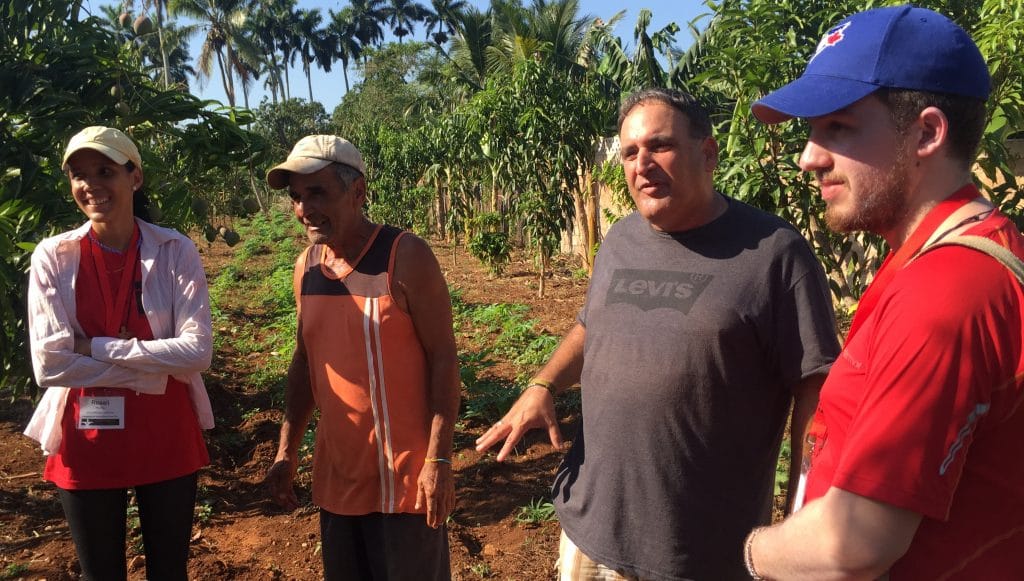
693	342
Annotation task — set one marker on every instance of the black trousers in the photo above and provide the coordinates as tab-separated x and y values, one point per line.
98	528
383	547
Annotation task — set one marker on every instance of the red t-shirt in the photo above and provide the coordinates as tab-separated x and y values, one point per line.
923	410
161	439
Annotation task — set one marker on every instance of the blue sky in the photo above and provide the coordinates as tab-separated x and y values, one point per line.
328	88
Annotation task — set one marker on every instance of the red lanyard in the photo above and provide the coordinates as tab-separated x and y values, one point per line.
116	307
894	262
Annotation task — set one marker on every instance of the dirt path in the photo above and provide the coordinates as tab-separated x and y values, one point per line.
243	536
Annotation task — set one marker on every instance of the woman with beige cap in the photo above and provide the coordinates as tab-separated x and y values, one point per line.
119	322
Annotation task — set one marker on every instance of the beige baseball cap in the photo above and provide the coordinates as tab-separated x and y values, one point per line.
311	154
106	140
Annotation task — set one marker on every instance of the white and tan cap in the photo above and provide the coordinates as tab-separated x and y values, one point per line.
106	140
311	154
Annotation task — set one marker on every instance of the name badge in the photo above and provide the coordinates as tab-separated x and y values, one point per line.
101	413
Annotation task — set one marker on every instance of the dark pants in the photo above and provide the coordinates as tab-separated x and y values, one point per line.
98	528
383	547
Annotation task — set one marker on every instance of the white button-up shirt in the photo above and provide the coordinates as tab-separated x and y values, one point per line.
177	305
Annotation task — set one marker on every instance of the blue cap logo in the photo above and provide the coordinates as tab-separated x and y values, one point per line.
833	37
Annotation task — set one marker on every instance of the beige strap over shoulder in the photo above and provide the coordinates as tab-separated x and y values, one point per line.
988	246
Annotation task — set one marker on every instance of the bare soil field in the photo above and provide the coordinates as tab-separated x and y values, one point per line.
240	534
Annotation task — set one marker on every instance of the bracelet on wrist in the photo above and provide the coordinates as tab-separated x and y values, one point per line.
439	461
748	557
541	383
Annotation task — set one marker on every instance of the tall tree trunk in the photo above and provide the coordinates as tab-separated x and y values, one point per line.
287	81
160	37
224	79
273	84
494	188
309	80
592	224
229	70
344	73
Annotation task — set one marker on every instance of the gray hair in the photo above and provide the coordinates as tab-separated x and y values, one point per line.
347	174
685	103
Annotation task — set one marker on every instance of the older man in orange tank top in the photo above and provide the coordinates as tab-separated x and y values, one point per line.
375	353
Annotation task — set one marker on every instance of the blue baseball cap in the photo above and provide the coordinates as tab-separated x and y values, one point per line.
898	47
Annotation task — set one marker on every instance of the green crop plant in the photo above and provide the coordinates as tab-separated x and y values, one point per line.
203	511
492	249
537	512
495	316
782	467
276	291
481	570
14	571
538	350
225	282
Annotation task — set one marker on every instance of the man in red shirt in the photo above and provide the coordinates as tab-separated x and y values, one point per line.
914	455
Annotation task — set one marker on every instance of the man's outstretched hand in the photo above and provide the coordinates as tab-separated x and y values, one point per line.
534	409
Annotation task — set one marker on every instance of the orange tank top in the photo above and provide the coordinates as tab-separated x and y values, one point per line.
369	378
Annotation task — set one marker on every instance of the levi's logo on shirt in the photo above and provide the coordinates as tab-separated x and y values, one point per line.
657	289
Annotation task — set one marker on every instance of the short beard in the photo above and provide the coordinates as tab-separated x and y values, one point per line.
316	237
881	207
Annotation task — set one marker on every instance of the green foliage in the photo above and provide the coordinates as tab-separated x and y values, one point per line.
537	351
282	124
497	316
612	175
391	87
750	48
57	75
642	69
492	249
487	400
133	524
502	330
396	158
203	511
278	294
14	571
225	282
538	125
782	467
537	512
481	570
262	288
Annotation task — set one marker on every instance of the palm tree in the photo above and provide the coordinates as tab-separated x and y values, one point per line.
441	19
268	26
167	57
559	25
225	40
473	32
344	33
401	15
175	55
368	18
642	69
161	6
311	40
553	29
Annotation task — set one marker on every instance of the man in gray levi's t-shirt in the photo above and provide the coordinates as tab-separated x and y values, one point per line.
705	319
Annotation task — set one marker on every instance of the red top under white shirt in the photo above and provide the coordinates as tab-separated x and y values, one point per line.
923	411
161	438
